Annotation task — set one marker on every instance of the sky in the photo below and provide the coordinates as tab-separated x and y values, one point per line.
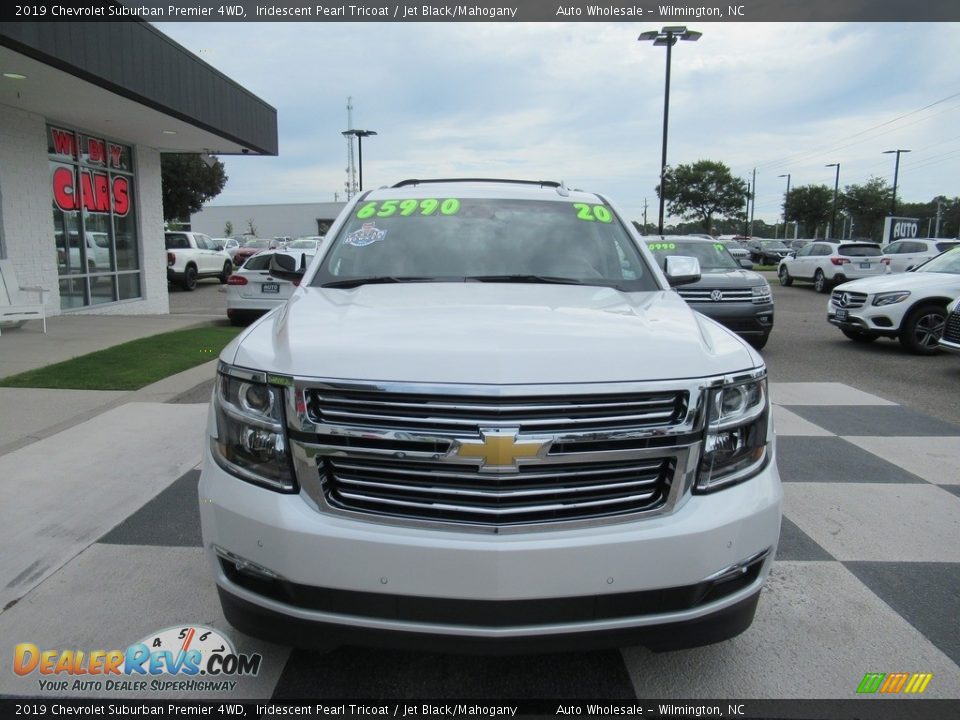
583	103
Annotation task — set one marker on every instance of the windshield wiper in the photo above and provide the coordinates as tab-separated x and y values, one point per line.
376	280
551	279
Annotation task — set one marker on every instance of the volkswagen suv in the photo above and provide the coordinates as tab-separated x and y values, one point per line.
484	422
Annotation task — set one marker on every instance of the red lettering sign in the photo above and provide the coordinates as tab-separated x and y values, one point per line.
116	155
121	195
64	143
63	191
96	151
95	192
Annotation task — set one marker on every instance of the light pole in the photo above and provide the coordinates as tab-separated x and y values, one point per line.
786	199
836	188
360	135
668	37
896	172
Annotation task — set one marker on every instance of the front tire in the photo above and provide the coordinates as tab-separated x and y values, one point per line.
922	329
784	276
857	336
225	275
819	281
190	278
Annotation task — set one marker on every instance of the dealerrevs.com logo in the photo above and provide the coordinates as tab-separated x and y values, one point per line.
190	658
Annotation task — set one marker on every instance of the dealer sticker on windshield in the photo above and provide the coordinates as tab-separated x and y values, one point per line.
368	234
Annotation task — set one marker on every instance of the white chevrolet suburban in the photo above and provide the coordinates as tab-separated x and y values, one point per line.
484	422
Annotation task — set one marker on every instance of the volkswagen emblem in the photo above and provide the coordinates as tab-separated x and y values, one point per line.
716	296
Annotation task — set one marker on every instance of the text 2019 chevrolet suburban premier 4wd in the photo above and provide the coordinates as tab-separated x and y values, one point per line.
485	423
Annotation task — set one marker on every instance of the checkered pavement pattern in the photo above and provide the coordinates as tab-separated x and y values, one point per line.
866	579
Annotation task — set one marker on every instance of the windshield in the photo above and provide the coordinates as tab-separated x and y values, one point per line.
256	243
712	255
487	240
773	245
302	244
948	262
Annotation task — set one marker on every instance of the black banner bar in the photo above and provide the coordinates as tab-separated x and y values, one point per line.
873	708
646	11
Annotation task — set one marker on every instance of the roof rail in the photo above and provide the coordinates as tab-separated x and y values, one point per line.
541	183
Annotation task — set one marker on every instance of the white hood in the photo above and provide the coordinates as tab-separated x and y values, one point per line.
904	281
489	334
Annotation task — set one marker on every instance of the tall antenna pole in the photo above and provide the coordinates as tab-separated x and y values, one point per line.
351	184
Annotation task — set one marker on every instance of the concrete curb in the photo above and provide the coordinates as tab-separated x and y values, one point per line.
159	392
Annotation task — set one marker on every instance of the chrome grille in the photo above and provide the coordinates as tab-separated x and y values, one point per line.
951	329
536	493
854	299
728	295
460	413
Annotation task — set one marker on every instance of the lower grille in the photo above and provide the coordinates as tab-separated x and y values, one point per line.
536	493
951	329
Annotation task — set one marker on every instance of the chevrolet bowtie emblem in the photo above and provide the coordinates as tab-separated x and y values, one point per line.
499	449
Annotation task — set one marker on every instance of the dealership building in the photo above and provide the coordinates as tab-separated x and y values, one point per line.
86	110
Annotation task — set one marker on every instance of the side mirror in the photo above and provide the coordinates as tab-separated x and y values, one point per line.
746	264
681	270
285	267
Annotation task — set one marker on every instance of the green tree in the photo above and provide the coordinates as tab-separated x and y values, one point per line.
703	190
927	214
251	228
187	183
868	204
228	229
809	205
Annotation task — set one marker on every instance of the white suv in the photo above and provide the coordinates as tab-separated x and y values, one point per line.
826	263
484	421
192	255
909	306
903	255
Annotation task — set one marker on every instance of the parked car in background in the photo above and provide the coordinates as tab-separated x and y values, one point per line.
902	255
307	244
830	262
735	297
767	252
228	244
737	250
950	339
253	291
250	246
192	256
280	241
797	244
96	251
911	307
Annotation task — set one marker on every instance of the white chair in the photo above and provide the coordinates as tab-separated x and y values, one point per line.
15	306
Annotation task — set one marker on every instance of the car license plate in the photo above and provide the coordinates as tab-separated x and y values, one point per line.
866	266
843	315
270	288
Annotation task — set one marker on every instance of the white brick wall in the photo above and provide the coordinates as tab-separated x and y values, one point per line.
26	201
27	219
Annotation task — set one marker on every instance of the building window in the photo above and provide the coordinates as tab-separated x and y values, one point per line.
94	218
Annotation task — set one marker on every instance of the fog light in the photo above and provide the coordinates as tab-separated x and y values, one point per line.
246	566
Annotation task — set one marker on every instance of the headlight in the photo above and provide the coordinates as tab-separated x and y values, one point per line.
761	294
890	298
251	443
736	442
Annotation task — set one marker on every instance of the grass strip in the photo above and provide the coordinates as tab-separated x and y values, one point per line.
131	365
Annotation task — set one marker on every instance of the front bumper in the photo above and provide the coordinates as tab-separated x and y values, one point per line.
745	319
344	581
856	323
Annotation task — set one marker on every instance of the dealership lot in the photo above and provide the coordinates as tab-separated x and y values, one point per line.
106	548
